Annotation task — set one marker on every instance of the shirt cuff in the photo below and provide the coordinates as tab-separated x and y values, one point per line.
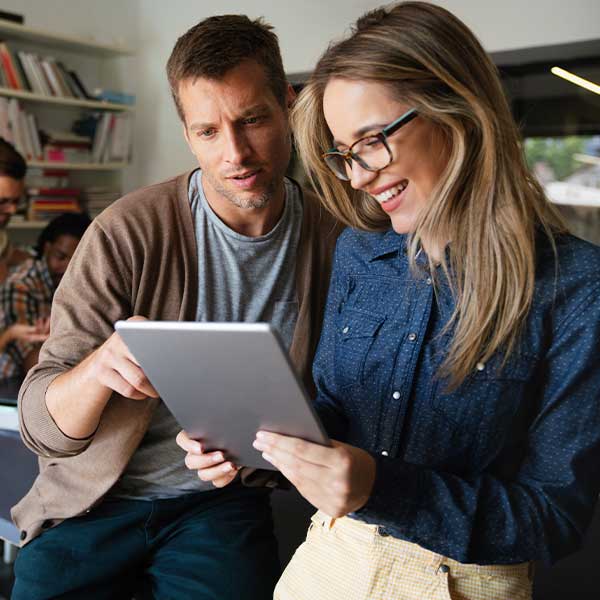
393	495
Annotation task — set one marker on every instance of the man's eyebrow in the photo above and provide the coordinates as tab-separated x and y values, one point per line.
250	110
359	133
197	126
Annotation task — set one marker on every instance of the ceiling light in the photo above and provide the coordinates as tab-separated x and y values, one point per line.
580	81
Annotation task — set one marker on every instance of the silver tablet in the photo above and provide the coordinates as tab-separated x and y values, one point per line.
223	382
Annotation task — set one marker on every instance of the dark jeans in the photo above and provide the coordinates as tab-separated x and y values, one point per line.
216	545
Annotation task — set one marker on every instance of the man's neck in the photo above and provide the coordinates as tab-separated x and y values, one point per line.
251	222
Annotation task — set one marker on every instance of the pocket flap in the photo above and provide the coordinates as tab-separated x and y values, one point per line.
353	323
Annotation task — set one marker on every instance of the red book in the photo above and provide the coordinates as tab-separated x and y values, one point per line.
53	191
8	67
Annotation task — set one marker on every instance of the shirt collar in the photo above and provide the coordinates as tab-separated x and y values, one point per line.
390	243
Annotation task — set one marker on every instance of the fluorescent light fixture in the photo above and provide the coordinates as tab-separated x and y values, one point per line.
580	81
589	159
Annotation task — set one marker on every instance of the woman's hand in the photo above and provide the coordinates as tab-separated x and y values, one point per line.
336	479
210	466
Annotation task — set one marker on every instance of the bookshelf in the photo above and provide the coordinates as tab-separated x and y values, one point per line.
66	102
58	111
14	31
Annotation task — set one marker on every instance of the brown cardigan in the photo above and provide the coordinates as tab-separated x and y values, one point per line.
139	257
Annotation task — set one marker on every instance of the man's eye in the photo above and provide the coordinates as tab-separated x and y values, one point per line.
251	120
206	133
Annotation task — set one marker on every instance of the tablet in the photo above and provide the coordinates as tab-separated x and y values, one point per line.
223	382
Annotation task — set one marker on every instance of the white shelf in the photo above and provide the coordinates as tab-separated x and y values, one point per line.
67	102
14	31
65	166
22	224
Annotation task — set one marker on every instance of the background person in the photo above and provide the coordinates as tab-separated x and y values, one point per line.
26	295
458	365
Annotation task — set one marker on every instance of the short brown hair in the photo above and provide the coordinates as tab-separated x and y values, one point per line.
218	44
12	164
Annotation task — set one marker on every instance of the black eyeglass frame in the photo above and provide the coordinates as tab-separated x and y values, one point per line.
385	133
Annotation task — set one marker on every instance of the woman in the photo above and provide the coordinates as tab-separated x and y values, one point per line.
457	371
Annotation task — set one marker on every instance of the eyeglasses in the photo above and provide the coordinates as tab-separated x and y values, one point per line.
7	203
372	153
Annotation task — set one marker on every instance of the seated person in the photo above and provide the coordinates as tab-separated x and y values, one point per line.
12	185
26	295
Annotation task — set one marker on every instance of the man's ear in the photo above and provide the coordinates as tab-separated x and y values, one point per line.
290	95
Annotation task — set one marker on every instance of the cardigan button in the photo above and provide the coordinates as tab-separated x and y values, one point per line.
23	535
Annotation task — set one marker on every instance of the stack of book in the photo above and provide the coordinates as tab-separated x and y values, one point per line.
96	199
64	146
20	129
47	203
41	75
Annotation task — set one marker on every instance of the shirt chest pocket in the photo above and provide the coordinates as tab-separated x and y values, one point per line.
355	336
464	430
478	414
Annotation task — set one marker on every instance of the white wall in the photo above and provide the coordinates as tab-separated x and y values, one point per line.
304	28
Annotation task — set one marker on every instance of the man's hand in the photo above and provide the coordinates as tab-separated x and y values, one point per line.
114	367
337	479
77	398
211	466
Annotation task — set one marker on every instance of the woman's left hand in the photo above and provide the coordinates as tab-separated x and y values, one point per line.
337	479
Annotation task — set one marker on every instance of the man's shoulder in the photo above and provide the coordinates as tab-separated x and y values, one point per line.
146	202
322	223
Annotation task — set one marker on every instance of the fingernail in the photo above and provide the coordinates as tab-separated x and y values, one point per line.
218	458
260	435
257	445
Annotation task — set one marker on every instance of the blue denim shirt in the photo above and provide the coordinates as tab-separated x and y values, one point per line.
504	469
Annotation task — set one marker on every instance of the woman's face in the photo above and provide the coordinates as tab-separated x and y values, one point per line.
355	109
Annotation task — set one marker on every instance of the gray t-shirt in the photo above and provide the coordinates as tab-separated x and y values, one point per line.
241	279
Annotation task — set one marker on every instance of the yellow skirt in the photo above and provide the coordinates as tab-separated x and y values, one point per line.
348	560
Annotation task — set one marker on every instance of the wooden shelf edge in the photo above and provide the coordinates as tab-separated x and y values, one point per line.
67	102
44	164
10	30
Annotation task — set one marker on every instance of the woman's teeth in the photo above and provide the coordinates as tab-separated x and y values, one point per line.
391	192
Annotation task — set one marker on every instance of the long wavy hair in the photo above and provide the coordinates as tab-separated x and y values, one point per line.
487	203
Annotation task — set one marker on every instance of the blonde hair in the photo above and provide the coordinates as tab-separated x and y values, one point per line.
487	203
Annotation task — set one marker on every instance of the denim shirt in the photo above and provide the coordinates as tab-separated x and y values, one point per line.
504	469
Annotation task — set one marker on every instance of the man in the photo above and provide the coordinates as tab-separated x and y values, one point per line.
26	295
114	510
12	185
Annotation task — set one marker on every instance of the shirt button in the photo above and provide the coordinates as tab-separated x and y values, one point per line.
444	569
480	366
412	337
428	281
384	453
396	395
346	329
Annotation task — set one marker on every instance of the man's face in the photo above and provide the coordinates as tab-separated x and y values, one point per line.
58	255
240	135
11	191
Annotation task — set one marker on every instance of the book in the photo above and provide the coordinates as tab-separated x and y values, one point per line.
80	85
114	97
11	16
9	69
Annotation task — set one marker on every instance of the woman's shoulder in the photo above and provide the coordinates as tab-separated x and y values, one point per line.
568	274
570	257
